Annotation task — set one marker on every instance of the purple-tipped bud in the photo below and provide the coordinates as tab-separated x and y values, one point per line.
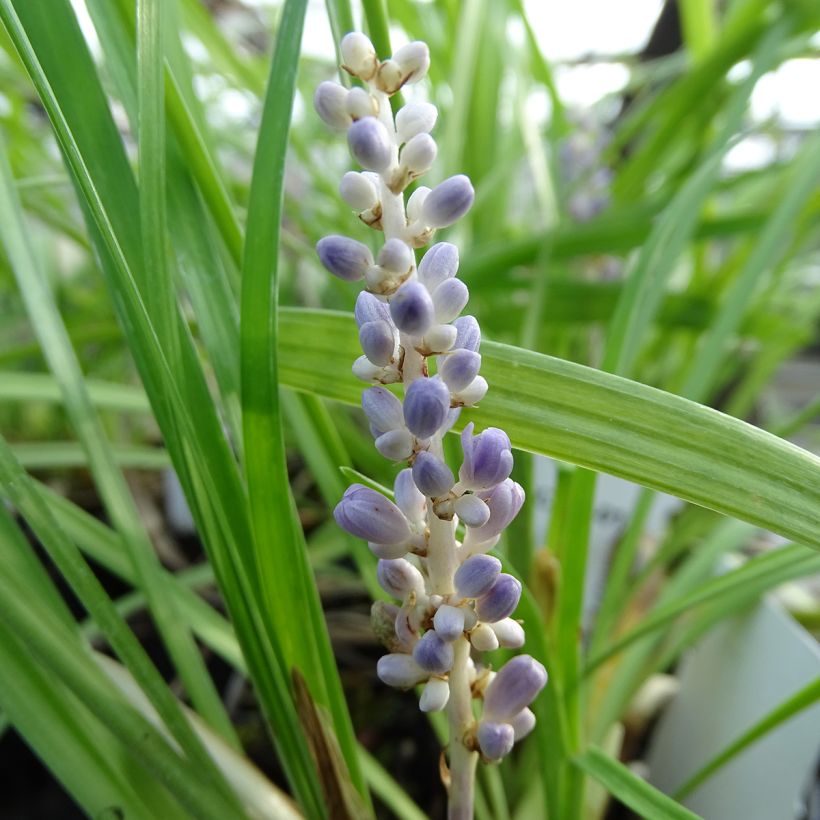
449	299
367	514
358	191
419	154
396	256
448	622
523	723
344	257
395	445
413	60
416	201
471	510
370	144
510	633
408	498
426	406
469	333
435	695
483	638
438	264
358	55
514	688
382	408
412	309
370	309
400	671
432	476
488	458
433	654
473	393
476	575
398	577
361	104
330	100
495	739
500	600
378	341
459	368
415	118
447	202
504	501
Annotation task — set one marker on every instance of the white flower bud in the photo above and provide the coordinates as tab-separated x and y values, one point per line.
395	445
358	191
435	695
358	55
388	550
419	154
415	118
473	393
400	671
416	201
365	370
509	632
483	638
361	104
450	298
413	61
439	339
472	510
448	622
329	101
523	723
388	77
396	256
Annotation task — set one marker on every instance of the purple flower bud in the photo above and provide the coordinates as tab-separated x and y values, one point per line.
400	671
469	333
523	723
495	739
500	600
504	501
472	510
488	458
383	409
419	153
388	550
510	633
476	575
378	342
367	514
447	202
415	118
396	445
433	654
426	405
438	264
432	476
449	299
483	638
370	144
448	622
370	309
514	688
344	257
396	256
412	308
435	695
459	368
329	101
358	191
408	498
398	577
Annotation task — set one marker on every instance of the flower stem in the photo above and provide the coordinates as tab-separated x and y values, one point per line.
460	715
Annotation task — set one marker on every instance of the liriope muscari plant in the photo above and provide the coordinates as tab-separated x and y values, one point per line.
455	602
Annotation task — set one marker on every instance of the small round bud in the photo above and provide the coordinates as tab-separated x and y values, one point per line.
469	333
449	622
388	77
367	514
473	393
344	257
370	144
495	739
500	600
365	370
370	308
398	577
432	476
426	406
488	458
419	154
412	308
439	264
396	256
483	638
447	202
510	633
415	202
383	410
459	368
439	339
433	654
471	510
360	104
408	498
415	118
358	55
449	299
504	500
435	695
388	550
400	671
330	100
378	341
476	575
514	688
523	723
397	445
413	61
358	191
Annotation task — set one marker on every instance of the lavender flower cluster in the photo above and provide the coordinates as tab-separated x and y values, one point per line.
453	596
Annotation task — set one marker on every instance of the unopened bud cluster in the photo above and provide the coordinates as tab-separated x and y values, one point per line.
409	321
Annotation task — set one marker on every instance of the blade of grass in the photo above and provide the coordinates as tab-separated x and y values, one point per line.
50	455
30	387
